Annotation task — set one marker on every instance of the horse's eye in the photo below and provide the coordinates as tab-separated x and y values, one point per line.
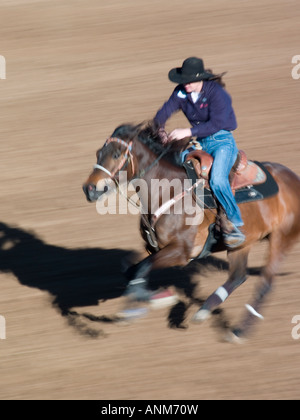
116	154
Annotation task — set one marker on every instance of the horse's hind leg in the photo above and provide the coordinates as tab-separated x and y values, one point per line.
237	275
280	243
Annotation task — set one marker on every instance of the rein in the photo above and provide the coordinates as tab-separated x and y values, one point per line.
154	163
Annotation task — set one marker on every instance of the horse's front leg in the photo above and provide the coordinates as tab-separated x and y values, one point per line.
138	275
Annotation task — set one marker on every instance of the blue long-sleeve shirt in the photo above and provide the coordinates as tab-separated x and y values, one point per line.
211	113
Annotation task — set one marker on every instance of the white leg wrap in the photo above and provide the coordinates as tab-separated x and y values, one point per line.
222	293
137	281
253	311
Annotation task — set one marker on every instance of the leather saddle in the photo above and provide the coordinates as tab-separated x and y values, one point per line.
243	173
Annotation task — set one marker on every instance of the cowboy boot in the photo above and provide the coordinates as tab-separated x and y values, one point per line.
233	237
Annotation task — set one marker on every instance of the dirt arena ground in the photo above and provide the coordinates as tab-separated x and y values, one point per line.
74	71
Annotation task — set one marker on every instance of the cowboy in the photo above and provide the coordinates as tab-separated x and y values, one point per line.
201	96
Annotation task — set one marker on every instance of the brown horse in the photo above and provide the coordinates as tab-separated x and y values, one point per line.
137	150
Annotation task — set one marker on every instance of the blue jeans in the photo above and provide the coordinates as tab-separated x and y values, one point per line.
223	149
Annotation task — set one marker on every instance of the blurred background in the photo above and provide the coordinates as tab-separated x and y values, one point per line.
75	70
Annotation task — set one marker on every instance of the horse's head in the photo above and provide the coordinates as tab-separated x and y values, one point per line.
134	149
115	156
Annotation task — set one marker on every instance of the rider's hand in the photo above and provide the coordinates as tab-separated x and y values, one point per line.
180	133
163	136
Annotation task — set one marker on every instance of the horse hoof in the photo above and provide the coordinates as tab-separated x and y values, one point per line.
201	315
163	299
234	337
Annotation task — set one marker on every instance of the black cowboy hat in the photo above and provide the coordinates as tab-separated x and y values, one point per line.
192	70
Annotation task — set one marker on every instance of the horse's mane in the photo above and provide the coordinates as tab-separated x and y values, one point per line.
149	133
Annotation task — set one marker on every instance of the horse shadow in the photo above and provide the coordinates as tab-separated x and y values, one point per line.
89	276
73	277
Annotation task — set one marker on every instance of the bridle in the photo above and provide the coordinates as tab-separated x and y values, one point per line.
127	158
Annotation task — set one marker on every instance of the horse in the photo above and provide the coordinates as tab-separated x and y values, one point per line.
137	151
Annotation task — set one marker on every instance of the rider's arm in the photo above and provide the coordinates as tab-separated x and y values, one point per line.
172	105
221	115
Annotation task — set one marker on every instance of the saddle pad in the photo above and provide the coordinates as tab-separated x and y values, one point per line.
242	195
